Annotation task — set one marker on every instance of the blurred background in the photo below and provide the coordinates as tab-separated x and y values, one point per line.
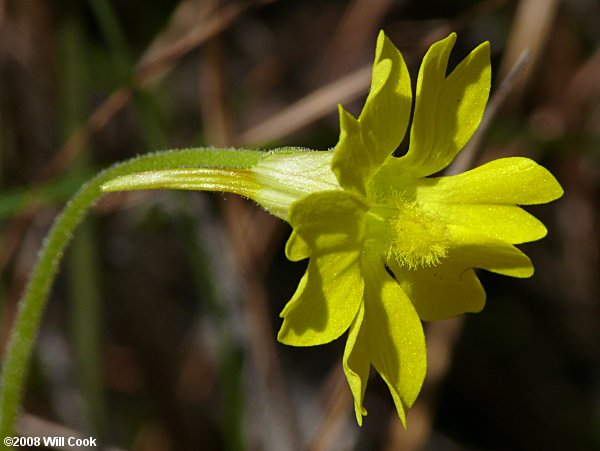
160	333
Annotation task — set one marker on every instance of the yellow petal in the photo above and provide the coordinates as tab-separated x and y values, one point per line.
357	364
391	338
448	110
296	248
395	339
366	143
328	221
514	180
325	302
504	222
472	250
442	291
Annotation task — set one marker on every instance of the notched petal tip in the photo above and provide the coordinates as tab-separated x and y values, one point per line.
523	271
393	335
359	412
480	251
448	109
367	142
296	248
382	40
442	48
356	364
348	123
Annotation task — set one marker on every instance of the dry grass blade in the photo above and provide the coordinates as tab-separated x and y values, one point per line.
79	139
200	33
310	108
531	26
353	37
338	407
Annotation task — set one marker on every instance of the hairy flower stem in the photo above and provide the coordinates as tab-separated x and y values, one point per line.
31	305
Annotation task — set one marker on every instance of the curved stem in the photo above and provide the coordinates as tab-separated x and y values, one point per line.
33	301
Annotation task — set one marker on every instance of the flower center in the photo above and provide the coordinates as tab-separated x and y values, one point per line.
415	238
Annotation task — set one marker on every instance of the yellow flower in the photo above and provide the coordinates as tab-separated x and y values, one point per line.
392	246
388	245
